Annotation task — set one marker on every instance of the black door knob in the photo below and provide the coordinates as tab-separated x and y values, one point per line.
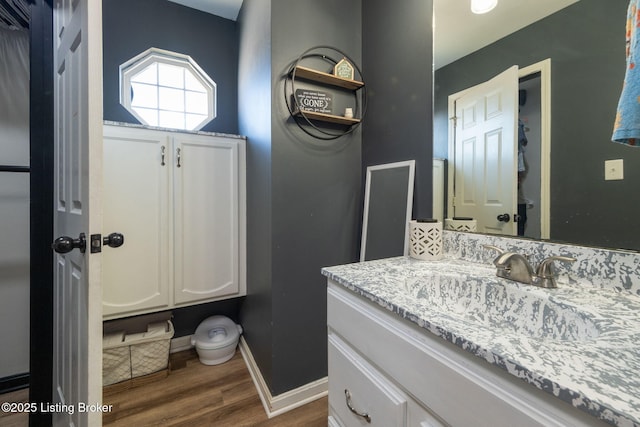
113	240
504	217
66	244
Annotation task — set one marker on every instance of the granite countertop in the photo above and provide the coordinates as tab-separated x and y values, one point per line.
183	131
579	343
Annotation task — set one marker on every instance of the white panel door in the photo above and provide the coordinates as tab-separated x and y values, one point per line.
77	379
136	202
485	154
206	218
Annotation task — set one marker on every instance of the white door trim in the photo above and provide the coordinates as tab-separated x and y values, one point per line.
544	68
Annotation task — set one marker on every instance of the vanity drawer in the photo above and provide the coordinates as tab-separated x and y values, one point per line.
368	391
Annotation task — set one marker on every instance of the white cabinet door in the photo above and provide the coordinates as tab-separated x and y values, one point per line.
206	221
136	171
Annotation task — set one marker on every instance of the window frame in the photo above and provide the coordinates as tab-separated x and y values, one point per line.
140	62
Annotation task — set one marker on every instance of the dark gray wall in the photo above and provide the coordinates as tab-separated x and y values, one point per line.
586	44
131	27
254	94
316	193
397	63
305	194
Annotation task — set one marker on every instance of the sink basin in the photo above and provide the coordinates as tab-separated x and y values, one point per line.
491	303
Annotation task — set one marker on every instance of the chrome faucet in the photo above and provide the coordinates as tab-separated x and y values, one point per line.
513	266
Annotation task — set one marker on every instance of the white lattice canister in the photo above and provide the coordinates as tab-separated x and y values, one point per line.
461	224
425	239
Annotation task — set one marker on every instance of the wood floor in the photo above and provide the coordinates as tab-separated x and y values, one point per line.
15	419
192	395
197	395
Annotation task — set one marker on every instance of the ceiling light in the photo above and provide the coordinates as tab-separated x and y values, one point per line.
482	6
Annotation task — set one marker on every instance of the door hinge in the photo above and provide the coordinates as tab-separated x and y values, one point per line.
96	243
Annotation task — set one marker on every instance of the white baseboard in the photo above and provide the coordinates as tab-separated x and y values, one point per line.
276	405
180	344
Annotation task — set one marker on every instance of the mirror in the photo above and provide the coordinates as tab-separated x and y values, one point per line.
585	43
388	200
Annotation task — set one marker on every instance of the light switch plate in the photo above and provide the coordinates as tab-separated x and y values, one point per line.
613	169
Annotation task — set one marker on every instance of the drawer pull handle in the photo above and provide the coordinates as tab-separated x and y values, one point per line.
347	396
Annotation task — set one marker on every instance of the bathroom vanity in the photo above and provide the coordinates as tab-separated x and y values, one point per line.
435	343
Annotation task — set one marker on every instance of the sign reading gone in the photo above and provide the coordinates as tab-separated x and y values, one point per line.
313	100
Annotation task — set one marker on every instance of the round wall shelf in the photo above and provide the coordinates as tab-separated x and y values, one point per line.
325	93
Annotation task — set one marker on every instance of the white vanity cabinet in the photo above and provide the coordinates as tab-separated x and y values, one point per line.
401	375
178	199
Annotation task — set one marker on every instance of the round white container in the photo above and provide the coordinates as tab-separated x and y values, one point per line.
461	224
425	240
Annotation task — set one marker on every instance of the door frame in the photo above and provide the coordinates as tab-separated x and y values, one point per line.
41	221
544	69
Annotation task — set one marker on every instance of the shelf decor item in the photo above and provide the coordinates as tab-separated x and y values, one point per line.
314	100
344	69
318	88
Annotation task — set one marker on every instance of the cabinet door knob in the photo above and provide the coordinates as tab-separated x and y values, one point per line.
364	415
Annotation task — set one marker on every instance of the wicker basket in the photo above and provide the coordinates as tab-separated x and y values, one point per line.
134	355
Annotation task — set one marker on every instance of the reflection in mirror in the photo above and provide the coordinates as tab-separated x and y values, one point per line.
585	43
388	200
498	173
482	144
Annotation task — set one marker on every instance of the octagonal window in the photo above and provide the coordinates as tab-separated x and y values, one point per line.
167	89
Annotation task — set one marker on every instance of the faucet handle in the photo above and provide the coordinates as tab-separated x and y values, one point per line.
545	269
497	249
